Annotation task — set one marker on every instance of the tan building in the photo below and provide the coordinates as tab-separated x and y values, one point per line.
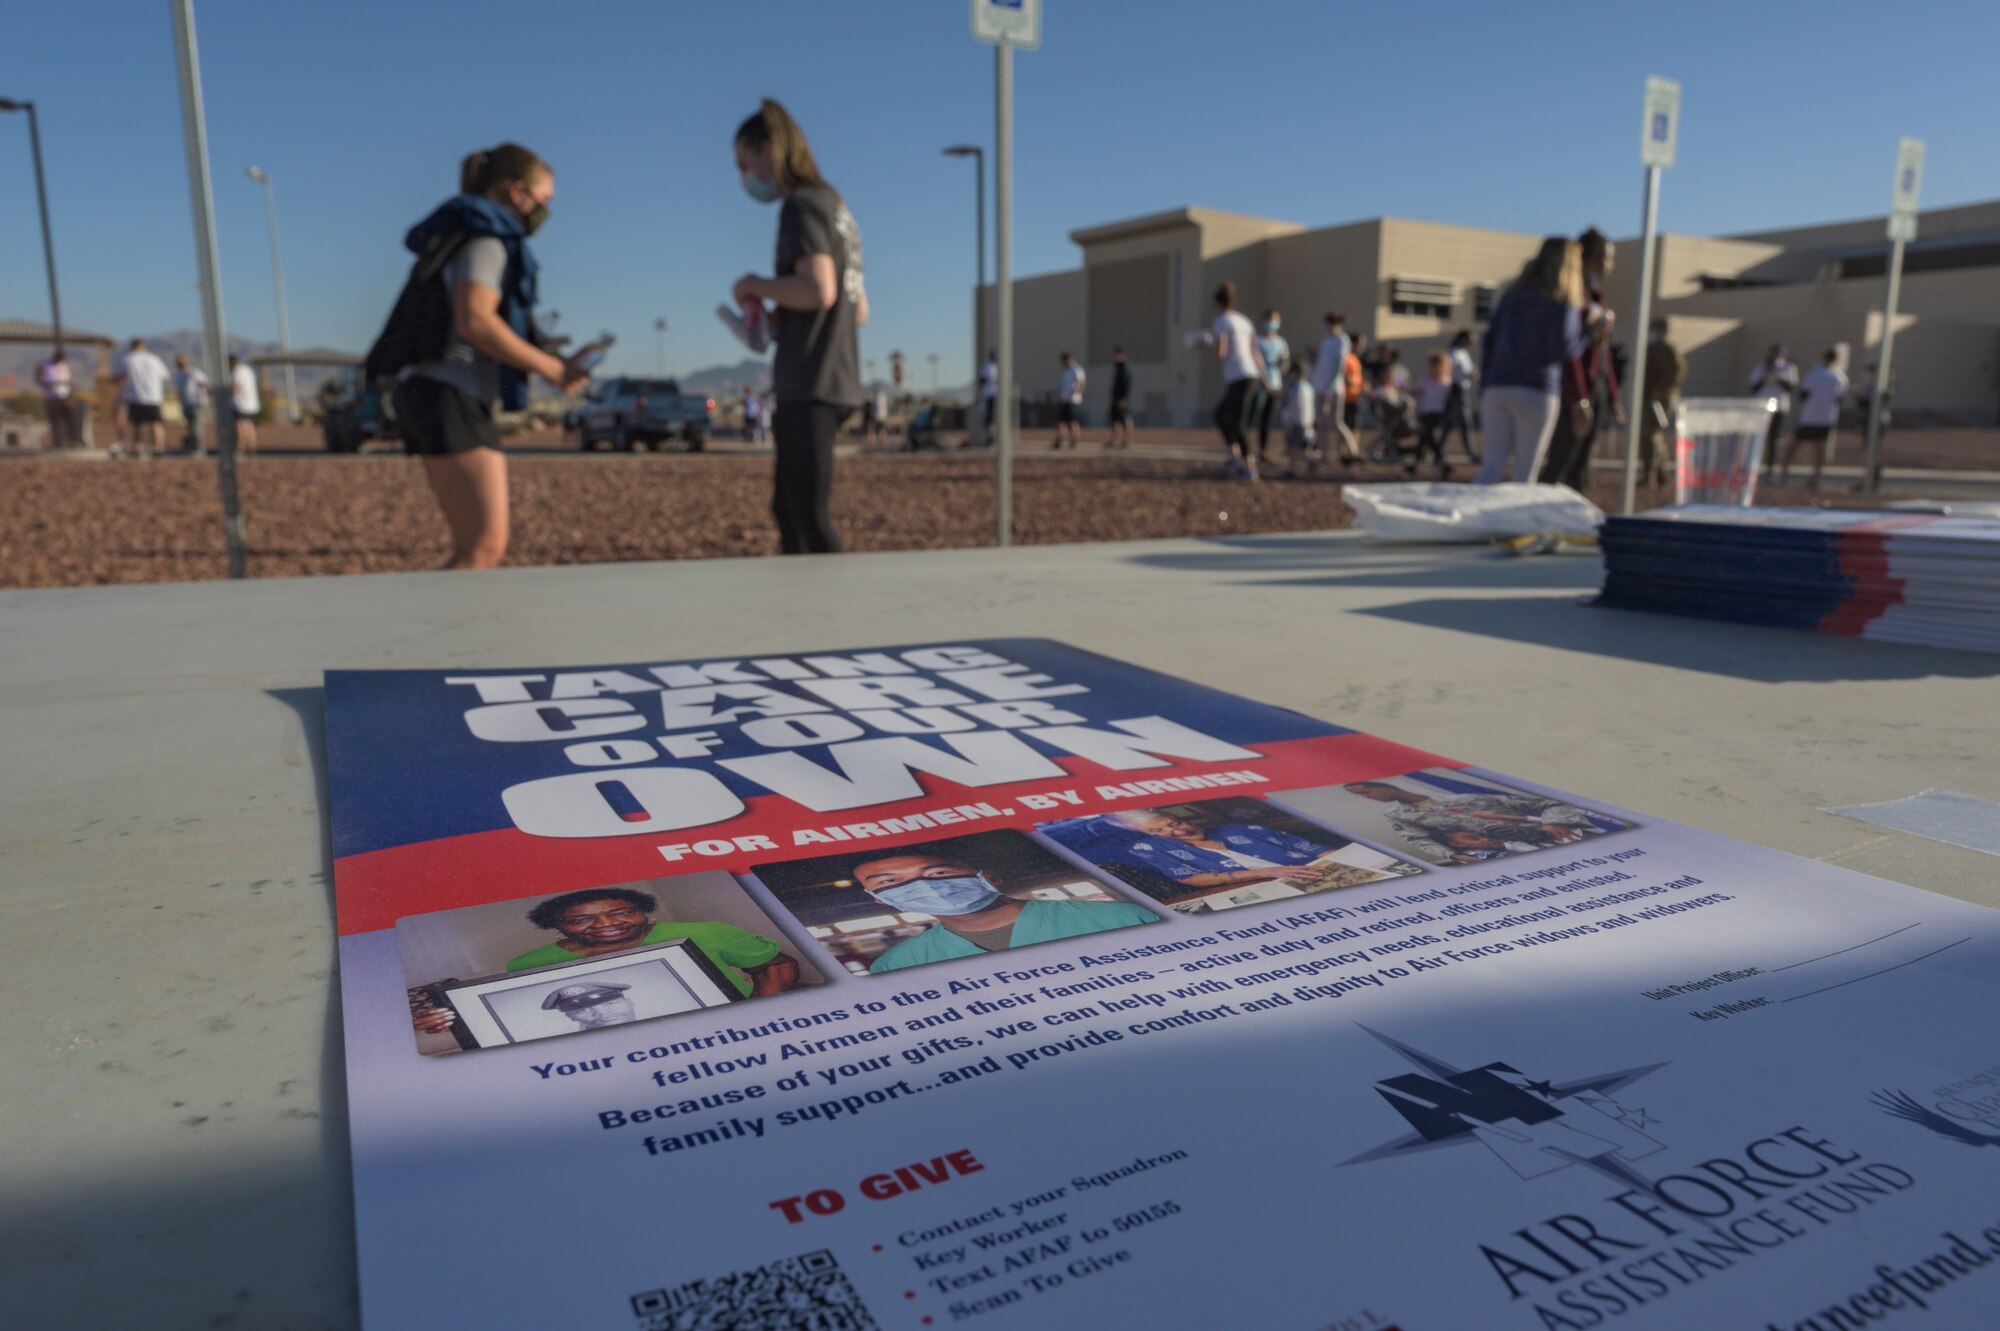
1146	283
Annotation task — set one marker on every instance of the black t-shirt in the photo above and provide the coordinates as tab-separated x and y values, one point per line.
817	358
1121	382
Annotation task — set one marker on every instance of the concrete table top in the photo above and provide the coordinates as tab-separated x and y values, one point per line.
173	1145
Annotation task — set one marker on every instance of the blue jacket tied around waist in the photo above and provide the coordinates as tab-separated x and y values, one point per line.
476	215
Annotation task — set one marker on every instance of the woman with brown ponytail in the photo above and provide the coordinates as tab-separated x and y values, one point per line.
819	304
445	402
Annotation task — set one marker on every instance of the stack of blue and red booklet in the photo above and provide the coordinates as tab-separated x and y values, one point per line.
1926	578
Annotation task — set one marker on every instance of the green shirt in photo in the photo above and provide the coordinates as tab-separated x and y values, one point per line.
733	950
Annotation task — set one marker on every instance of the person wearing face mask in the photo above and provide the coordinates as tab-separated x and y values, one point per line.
1277	355
974	916
445	401
819	303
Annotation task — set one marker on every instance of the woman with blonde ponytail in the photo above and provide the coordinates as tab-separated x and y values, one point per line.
817	303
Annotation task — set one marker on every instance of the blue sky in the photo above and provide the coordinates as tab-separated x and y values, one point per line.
1516	115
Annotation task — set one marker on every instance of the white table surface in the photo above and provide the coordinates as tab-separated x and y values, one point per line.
172	1129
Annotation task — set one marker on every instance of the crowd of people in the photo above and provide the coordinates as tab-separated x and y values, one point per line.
463	343
143	381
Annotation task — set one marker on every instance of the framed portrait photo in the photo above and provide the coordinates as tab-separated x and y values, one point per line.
639	984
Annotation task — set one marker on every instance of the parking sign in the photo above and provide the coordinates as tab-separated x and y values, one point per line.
1909	174
1008	22
1660	130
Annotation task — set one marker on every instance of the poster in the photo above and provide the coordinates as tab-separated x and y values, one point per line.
1003	985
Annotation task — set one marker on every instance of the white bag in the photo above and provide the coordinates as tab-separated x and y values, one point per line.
1435	511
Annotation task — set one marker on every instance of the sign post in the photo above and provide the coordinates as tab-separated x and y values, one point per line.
1902	228
214	346
1006	24
1658	135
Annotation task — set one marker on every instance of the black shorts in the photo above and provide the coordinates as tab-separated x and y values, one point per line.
142	413
1813	434
437	420
1121	412
1066	414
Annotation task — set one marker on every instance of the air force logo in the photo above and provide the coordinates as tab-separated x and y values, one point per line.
1534	1127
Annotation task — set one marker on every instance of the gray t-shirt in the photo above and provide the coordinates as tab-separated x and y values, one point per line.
818	359
464	367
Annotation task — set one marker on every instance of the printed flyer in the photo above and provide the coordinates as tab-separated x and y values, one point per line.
1003	985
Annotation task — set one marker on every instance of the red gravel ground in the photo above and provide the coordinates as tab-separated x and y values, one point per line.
76	523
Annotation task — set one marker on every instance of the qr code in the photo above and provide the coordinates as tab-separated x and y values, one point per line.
803	1293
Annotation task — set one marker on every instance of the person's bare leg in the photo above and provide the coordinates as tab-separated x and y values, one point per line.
471	489
1819	460
246	435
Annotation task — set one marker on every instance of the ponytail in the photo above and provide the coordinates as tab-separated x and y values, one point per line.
792	164
480	172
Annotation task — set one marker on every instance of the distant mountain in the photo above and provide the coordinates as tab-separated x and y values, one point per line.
717	380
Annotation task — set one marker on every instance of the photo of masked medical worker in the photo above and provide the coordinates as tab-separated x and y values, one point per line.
543	934
1449	816
904	906
1210	855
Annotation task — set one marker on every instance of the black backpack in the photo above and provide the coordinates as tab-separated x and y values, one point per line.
420	325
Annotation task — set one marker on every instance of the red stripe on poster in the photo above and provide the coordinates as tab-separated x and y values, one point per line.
1863	555
377	888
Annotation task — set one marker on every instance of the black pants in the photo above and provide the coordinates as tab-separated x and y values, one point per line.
1457	416
802	483
1772	438
192	414
1431	428
1232	412
1262	407
1568	462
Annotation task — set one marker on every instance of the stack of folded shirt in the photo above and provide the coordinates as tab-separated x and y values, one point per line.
1922	578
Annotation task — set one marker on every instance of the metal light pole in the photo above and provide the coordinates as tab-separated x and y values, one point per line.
660	347
1003	278
1635	411
1902	228
278	281
1659	135
978	156
932	357
42	198
213	344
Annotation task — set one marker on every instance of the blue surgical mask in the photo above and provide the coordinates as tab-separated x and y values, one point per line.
760	189
959	895
1271	326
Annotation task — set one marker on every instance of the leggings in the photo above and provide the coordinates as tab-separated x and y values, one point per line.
1262	407
1457	416
1518	424
802	482
1231	412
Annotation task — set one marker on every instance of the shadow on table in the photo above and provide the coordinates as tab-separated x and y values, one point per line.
171	1242
1742	651
1318	560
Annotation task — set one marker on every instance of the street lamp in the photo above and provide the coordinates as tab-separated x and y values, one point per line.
932	357
660	346
278	281
978	156
41	197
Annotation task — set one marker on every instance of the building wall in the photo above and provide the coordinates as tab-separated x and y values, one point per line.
1947	362
1948	342
1462	255
1932	224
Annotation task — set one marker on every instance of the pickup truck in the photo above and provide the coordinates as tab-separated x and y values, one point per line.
628	412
